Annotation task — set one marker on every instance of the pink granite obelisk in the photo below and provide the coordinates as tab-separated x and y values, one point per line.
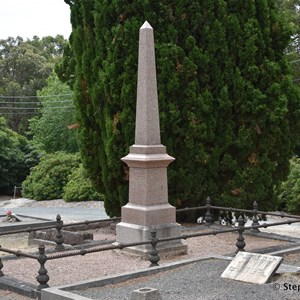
148	208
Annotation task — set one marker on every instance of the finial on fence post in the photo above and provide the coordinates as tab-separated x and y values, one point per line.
43	277
153	255
240	244
59	238
207	217
255	220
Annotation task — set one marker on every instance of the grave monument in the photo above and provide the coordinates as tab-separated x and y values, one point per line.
148	208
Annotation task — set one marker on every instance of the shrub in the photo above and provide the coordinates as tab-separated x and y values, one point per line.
80	188
32	156
48	179
17	156
289	191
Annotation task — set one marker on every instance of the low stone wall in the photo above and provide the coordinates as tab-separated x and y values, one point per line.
70	238
72	235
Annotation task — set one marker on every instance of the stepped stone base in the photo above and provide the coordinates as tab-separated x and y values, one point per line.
131	233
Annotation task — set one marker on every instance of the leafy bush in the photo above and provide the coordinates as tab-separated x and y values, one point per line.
289	192
10	156
17	156
48	179
80	188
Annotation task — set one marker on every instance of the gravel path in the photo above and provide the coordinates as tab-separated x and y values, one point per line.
193	282
108	262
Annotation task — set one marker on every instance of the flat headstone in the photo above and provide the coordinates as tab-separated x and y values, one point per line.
145	294
252	267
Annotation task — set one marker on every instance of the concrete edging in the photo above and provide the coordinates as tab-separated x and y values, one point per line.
64	292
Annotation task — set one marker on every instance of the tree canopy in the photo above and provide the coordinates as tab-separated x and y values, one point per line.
53	129
229	110
24	67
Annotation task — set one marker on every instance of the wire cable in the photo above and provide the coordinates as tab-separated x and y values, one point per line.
23	97
29	113
39	103
40	108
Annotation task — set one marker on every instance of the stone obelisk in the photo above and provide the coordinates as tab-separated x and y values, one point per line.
148	208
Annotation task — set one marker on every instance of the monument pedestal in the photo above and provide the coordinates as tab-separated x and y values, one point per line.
148	208
137	233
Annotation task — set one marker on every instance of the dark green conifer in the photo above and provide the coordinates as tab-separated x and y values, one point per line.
229	110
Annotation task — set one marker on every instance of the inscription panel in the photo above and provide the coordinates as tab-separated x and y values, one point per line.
252	267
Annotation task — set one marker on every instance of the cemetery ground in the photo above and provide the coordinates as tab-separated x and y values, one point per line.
71	270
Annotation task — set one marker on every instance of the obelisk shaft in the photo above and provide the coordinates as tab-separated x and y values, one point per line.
147	130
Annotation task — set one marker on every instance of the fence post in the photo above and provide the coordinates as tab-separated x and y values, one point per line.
15	192
207	217
153	255
255	220
240	244
59	238
1	266
43	277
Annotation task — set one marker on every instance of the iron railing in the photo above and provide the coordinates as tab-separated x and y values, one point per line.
154	258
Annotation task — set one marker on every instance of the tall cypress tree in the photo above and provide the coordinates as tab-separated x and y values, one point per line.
229	110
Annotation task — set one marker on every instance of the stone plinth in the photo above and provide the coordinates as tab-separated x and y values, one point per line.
148	208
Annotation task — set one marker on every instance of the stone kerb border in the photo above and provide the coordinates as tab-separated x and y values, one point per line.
64	292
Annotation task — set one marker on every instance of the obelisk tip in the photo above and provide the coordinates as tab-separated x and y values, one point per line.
146	25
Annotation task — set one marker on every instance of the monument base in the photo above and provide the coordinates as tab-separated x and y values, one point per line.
131	233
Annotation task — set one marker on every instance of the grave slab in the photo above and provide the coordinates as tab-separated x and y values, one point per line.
252	267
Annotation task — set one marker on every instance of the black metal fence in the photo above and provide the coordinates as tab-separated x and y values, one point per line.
154	258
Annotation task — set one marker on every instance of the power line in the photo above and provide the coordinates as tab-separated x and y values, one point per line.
39	103
22	97
6	107
27	113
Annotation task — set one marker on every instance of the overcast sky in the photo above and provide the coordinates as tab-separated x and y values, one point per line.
27	18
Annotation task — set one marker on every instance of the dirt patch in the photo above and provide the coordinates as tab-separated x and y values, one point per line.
291	278
292	259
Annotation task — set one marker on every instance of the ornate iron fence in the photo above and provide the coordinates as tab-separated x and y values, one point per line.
154	258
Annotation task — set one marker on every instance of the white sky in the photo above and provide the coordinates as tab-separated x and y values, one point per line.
27	18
